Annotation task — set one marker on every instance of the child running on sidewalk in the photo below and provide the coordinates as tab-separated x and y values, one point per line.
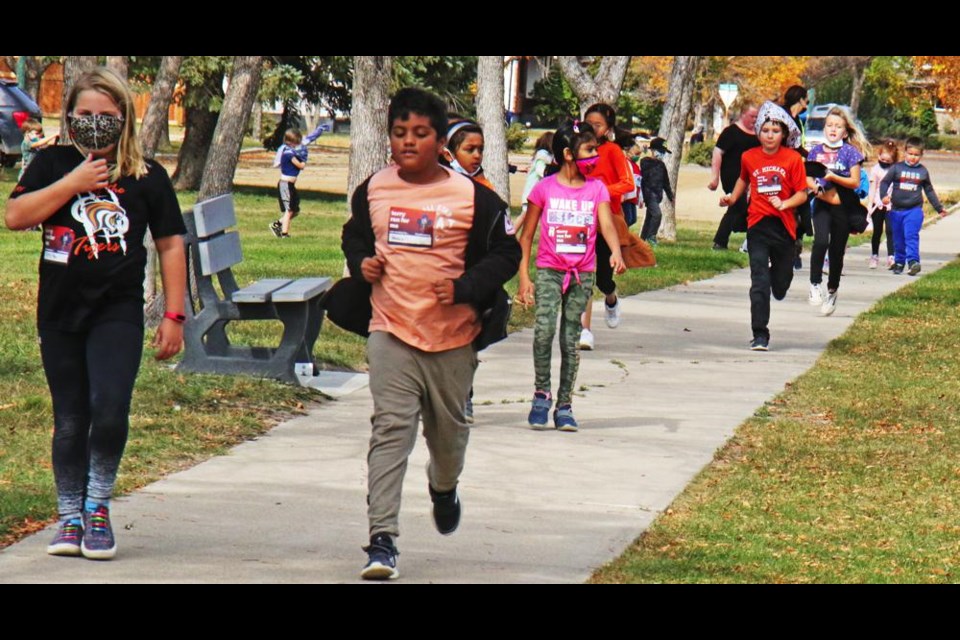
435	248
906	203
569	208
778	181
888	155
842	153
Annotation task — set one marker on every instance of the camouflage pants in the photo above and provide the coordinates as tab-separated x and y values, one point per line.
570	305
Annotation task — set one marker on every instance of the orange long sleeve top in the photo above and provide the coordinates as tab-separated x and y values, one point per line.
614	171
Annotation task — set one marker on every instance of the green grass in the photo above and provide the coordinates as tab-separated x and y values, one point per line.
851	475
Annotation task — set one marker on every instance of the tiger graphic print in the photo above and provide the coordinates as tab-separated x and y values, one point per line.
103	216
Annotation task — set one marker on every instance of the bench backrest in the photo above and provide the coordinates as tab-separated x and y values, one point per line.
212	250
217	249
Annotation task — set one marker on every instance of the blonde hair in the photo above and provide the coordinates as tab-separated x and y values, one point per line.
855	136
130	160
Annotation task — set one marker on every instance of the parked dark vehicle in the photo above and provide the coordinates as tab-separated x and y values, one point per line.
15	107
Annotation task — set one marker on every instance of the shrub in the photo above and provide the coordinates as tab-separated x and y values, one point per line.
700	153
516	136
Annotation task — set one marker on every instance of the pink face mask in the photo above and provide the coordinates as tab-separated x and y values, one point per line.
587	165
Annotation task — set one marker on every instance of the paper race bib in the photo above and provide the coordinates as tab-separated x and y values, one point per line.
411	227
57	242
768	183
570	239
829	159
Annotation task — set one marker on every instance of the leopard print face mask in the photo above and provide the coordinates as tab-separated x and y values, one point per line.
96	131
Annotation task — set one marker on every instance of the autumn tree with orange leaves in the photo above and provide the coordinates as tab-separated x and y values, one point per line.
946	71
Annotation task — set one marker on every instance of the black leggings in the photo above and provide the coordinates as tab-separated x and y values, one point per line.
91	376
831	230
879	216
604	271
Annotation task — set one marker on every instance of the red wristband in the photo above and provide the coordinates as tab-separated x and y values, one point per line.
176	317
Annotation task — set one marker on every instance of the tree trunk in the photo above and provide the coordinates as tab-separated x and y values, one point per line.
257	121
369	141
672	126
859	76
602	87
29	71
159	108
119	65
200	123
490	114
150	133
231	126
708	131
73	68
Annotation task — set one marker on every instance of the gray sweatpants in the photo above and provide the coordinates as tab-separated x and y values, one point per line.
406	383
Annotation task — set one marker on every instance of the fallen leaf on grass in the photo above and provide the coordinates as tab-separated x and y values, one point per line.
7	406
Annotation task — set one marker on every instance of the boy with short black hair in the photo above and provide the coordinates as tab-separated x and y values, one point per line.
436	249
908	177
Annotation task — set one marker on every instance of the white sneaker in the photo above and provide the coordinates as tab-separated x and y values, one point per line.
613	314
874	261
816	295
586	340
830	304
743	247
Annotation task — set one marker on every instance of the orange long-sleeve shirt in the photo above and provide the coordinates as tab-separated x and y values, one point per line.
614	171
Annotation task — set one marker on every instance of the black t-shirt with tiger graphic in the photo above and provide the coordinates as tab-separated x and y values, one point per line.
93	258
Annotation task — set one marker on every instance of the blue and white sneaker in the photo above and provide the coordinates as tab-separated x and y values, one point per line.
381	559
98	541
68	539
563	418
539	410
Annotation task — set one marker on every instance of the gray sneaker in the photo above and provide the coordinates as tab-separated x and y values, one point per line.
276	227
830	304
913	268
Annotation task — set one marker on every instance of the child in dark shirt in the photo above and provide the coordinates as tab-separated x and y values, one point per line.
908	179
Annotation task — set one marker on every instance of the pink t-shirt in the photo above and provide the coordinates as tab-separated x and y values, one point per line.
568	225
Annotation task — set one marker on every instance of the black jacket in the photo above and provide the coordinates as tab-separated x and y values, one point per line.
654	179
492	258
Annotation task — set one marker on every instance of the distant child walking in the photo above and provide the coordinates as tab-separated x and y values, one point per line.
908	178
654	183
291	158
569	207
542	158
887	156
778	183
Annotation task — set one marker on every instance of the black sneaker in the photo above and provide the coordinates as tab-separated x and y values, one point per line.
381	559
897	268
760	343
446	510
276	227
798	264
913	268
719	247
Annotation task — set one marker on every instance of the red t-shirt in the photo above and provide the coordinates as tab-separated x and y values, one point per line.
781	174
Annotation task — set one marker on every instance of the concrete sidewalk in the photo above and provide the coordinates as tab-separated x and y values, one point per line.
659	395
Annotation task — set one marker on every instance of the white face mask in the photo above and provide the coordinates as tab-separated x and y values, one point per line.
456	166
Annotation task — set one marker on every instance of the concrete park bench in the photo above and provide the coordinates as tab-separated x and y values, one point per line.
211	252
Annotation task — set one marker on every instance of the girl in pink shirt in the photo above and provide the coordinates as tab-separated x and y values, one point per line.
569	207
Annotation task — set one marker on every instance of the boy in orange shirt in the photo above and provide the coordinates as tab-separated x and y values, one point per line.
436	249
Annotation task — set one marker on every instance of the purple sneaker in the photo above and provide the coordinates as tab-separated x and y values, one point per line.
67	540
98	541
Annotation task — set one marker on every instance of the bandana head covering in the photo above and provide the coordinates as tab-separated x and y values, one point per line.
774	112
